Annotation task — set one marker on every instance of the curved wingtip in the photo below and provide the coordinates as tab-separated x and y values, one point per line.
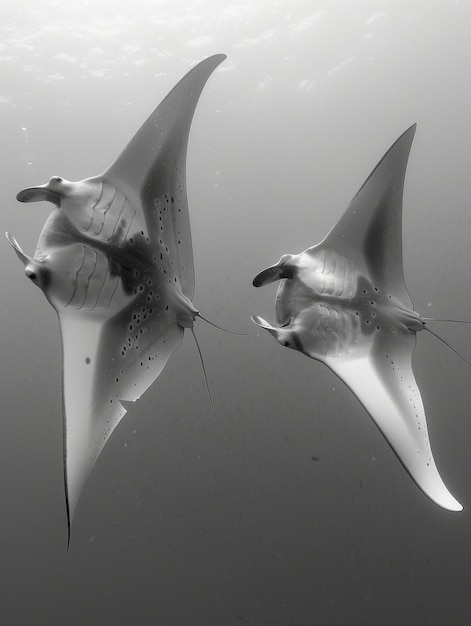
456	506
219	57
445	500
410	131
210	63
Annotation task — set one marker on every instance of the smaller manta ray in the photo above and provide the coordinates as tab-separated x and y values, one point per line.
115	260
344	302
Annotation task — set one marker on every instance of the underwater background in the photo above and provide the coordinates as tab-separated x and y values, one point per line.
292	509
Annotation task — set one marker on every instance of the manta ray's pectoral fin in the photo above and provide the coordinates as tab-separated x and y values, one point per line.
370	230
384	383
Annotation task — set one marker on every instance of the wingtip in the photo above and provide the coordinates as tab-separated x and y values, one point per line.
214	60
439	493
451	504
408	133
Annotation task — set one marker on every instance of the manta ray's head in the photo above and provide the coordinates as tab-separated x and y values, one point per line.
283	269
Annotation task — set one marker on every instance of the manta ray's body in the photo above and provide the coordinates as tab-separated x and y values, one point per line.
344	302
115	260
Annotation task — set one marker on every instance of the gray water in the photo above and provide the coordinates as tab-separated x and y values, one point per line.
183	521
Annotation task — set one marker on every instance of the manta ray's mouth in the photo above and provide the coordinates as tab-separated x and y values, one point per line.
38	194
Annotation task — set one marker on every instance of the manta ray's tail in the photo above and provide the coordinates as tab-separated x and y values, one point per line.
233	332
432	319
226	330
205	375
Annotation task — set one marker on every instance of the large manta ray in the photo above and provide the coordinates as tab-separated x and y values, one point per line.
115	260
344	302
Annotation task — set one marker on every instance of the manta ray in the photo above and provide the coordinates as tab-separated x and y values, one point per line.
115	260
344	302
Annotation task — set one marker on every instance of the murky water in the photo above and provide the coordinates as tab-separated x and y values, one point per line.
292	509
